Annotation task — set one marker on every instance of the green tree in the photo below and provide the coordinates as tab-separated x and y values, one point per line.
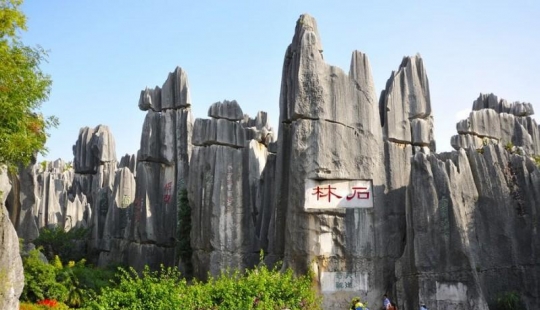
23	88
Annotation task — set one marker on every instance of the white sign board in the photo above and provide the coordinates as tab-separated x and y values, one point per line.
344	281
332	194
451	291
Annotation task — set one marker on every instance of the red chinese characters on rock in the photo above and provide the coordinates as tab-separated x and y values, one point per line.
325	191
328	191
167	190
359	193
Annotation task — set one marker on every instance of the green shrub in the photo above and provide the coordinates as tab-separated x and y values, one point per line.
259	288
263	288
509	147
40	280
73	284
509	301
152	290
537	160
56	241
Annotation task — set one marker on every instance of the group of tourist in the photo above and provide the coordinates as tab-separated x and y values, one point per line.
356	304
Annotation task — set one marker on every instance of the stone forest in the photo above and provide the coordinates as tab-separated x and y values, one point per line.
349	186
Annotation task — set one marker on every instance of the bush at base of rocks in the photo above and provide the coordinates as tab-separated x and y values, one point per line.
259	288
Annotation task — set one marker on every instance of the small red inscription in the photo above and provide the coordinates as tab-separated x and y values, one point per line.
359	193
325	192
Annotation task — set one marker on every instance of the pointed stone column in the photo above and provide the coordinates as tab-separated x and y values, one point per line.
330	138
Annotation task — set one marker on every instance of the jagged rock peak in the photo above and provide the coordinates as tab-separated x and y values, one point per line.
128	161
150	99
226	109
490	101
312	89
174	94
360	71
494	121
306	34
259	128
94	146
405	105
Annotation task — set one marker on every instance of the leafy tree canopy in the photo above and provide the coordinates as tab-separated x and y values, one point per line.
23	88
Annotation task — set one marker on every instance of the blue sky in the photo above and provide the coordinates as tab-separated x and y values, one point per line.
103	53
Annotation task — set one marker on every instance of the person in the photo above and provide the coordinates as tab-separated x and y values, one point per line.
356	304
423	307
392	306
386	302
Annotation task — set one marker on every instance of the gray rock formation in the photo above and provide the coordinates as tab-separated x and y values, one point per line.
174	94
259	128
224	192
116	227
229	110
322	142
496	121
93	147
460	204
11	270
406	116
490	101
128	161
218	131
219	218
140	224
43	195
405	105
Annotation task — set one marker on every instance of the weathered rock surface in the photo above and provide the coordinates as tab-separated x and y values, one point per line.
93	147
11	270
128	161
506	124
218	131
259	128
174	94
459	206
490	101
321	139
150	99
224	193
405	99
123	195
141	221
219	218
229	110
405	109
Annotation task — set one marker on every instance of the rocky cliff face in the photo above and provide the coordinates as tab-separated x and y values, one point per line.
329	137
471	222
142	217
223	188
497	121
11	271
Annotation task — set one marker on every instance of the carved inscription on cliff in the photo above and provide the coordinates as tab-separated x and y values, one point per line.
332	194
344	281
